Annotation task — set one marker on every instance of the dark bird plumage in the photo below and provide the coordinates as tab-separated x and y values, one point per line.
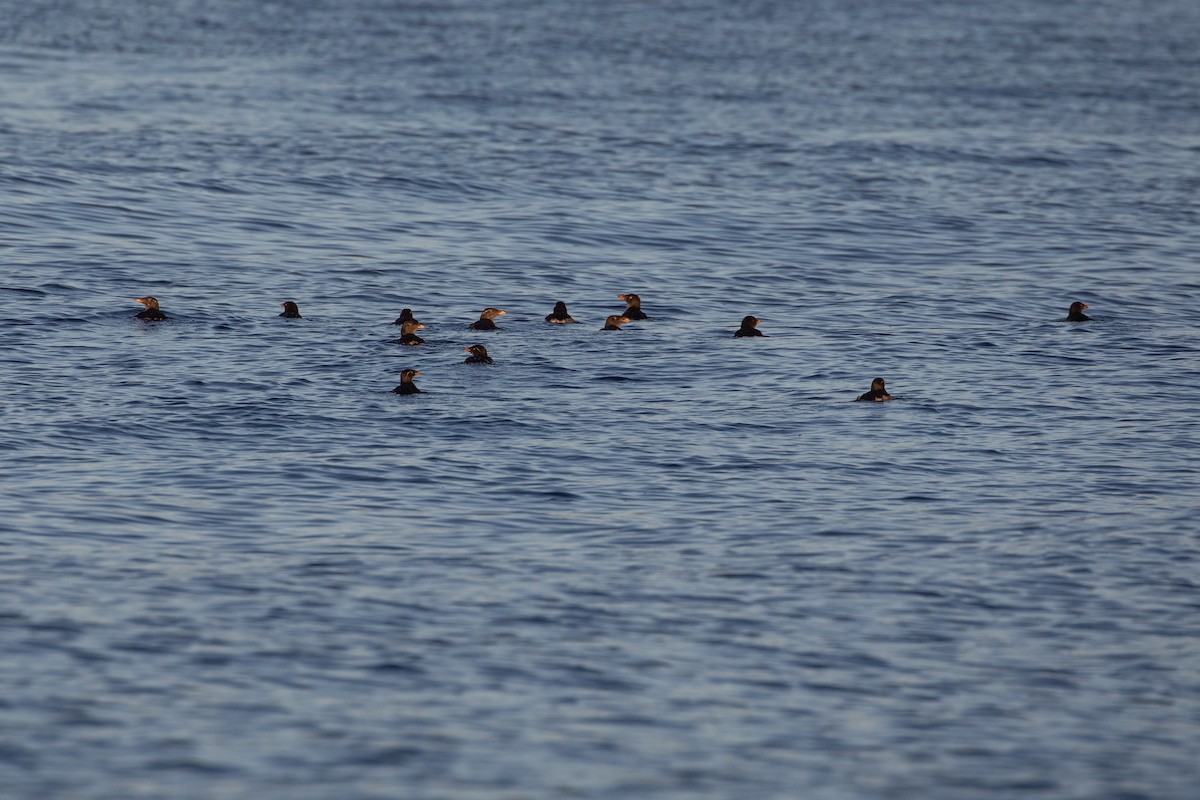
290	310
479	355
614	322
559	315
633	307
484	323
406	315
878	393
749	327
406	382
151	310
408	336
1075	313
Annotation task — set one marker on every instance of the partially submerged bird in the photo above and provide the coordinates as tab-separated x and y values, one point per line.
749	327
633	306
407	335
614	322
878	393
406	382
559	315
151	310
484	323
479	355
1075	312
406	315
290	310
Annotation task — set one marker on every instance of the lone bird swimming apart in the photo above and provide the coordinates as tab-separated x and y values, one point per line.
151	310
479	355
290	310
559	316
1075	312
633	307
484	323
408	336
749	327
878	393
406	382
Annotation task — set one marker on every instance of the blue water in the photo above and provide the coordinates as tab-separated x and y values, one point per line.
655	563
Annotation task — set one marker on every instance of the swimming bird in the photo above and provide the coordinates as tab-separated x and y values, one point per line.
749	327
484	323
878	393
406	382
406	315
151	310
614	322
290	310
479	355
407	335
1075	313
559	315
633	306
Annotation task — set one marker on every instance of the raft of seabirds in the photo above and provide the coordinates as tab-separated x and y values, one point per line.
559	316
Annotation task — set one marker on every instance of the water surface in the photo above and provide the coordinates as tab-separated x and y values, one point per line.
660	562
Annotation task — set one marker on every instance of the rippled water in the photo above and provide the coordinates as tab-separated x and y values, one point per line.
660	562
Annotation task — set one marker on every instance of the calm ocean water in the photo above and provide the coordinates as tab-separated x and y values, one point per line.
655	563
